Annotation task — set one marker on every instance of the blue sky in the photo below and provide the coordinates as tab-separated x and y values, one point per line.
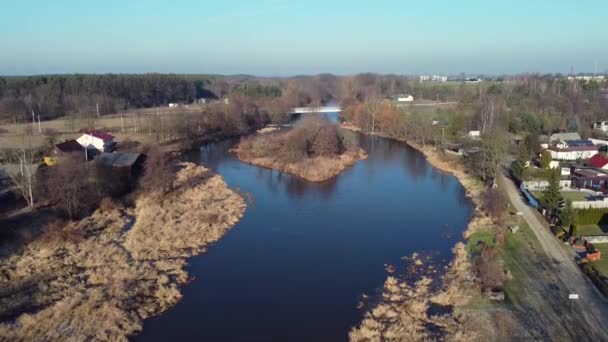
278	37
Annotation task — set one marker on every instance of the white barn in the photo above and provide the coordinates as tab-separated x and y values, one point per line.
97	140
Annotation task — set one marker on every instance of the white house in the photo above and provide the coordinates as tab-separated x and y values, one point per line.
474	134
573	153
97	140
405	98
173	105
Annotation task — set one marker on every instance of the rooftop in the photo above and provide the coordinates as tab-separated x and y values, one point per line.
118	159
99	134
69	146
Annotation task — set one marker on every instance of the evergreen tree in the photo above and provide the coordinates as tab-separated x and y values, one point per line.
567	216
552	195
545	159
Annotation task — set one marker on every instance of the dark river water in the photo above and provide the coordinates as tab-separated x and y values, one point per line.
296	265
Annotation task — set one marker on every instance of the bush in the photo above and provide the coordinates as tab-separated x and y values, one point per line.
107	204
488	268
56	232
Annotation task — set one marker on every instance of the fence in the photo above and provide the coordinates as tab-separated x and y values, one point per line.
590	204
536	185
533	202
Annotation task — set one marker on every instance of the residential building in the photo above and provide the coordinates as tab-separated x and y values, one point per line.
474	134
600	125
591	179
573	150
66	148
173	105
564	136
97	140
599	161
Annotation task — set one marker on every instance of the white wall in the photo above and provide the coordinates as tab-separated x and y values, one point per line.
90	142
572	155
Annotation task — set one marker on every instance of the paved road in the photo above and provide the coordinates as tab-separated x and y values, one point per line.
594	307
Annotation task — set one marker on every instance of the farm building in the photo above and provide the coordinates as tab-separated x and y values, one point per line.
97	140
119	171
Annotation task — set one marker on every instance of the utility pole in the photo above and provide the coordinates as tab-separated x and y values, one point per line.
39	128
97	105
122	123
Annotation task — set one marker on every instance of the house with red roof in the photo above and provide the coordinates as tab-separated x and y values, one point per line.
97	140
599	161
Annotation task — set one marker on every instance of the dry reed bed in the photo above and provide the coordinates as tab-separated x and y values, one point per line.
402	313
315	169
101	288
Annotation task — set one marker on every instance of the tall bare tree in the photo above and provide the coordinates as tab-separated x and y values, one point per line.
24	178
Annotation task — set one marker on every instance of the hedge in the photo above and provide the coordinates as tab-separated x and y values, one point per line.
592	216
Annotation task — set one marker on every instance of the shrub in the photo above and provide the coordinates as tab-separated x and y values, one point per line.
107	204
488	268
56	232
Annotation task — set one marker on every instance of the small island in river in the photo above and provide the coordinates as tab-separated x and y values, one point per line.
315	150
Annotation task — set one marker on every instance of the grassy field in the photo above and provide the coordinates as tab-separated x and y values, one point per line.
592	229
602	265
135	125
574	196
485	235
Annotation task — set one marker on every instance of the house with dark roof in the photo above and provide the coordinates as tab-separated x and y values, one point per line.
572	149
64	149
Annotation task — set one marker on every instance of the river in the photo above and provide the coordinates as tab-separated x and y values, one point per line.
296	265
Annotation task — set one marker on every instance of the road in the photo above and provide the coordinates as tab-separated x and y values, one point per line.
592	305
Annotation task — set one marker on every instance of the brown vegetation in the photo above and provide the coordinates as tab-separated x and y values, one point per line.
102	281
316	150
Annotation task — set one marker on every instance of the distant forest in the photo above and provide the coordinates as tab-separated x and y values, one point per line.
541	103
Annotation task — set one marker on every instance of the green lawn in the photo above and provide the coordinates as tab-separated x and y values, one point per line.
602	265
591	229
574	196
485	235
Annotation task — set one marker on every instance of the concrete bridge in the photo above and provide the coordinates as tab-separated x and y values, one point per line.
325	109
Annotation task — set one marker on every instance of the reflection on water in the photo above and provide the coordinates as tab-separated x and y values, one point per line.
294	267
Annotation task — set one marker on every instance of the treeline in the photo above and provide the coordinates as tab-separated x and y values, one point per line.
56	95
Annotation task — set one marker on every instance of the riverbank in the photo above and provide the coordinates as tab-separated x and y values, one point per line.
405	309
118	266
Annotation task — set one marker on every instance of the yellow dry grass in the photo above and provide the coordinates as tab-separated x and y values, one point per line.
316	169
406	320
104	286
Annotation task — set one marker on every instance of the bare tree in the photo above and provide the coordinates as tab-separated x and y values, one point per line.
158	173
68	185
25	177
373	104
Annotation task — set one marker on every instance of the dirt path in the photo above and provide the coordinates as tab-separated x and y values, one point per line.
591	306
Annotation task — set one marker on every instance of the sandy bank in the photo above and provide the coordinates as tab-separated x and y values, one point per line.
316	169
103	286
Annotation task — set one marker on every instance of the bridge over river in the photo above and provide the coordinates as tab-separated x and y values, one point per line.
323	109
